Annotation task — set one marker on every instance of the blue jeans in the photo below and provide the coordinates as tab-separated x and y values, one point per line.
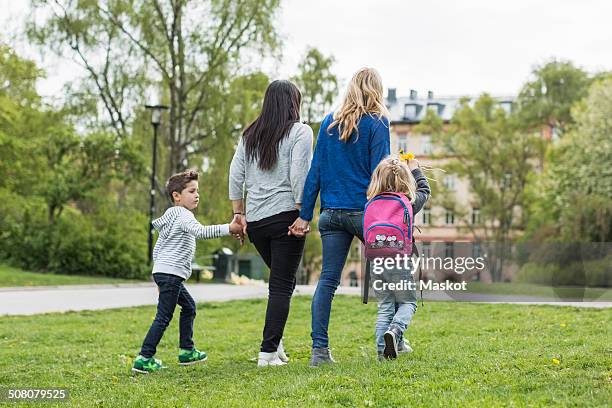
171	292
395	307
337	228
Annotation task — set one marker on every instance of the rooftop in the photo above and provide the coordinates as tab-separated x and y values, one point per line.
412	108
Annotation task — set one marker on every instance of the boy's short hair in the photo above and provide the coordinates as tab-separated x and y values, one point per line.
177	182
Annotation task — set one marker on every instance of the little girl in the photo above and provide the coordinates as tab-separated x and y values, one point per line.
396	307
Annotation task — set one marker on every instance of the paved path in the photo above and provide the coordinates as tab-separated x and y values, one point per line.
41	299
33	300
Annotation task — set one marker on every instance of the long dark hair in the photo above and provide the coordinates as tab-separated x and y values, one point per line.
280	110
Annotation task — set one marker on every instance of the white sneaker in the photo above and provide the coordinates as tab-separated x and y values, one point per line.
269	359
281	352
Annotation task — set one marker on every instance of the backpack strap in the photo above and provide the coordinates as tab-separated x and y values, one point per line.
390	193
415	250
366	283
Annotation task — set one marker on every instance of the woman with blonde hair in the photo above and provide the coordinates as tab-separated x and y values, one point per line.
351	143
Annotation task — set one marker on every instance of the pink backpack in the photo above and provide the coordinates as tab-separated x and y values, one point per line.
387	226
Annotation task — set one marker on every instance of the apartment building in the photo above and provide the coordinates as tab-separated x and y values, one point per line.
442	234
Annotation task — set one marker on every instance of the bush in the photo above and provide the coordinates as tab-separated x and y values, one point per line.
599	272
105	244
109	242
24	238
593	273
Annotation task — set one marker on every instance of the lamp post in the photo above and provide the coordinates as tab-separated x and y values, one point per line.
156	111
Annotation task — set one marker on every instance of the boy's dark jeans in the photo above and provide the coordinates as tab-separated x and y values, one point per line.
171	292
282	253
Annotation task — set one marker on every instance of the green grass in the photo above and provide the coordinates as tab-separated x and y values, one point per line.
465	355
17	277
530	289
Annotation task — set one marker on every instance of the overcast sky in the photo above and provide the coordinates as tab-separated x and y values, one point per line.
449	46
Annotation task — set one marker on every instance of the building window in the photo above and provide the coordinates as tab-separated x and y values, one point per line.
435	108
506	106
426	250
427	149
411	111
426	220
402	142
353	281
508	180
476	250
555	133
450	182
450	217
476	216
449	250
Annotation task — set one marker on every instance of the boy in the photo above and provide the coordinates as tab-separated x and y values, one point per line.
174	250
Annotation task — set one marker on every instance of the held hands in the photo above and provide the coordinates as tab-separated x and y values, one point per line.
238	227
413	164
299	228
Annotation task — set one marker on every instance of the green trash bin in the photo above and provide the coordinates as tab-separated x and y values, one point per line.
252	266
223	262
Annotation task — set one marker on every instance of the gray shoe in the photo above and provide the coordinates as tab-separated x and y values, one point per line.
391	337
402	347
321	356
381	356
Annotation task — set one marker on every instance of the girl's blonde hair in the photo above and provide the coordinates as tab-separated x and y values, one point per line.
392	175
364	95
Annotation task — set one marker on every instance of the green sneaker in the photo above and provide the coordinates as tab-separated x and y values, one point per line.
190	357
147	365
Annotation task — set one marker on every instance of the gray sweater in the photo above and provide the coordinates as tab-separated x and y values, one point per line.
271	192
175	247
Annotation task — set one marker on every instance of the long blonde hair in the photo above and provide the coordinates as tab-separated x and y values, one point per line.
392	175
363	96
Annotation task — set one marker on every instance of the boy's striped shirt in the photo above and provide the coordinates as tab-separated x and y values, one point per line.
175	246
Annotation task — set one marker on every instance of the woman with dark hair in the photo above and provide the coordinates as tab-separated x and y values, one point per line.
271	163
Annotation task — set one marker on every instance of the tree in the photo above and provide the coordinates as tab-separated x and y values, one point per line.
48	168
548	98
40	148
75	166
18	102
484	145
317	83
572	196
185	49
240	108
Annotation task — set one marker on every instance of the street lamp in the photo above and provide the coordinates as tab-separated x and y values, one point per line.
156	111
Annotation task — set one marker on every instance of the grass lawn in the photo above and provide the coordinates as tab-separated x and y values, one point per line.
465	355
530	289
17	277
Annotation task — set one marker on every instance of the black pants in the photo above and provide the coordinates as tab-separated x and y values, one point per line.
282	253
171	292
